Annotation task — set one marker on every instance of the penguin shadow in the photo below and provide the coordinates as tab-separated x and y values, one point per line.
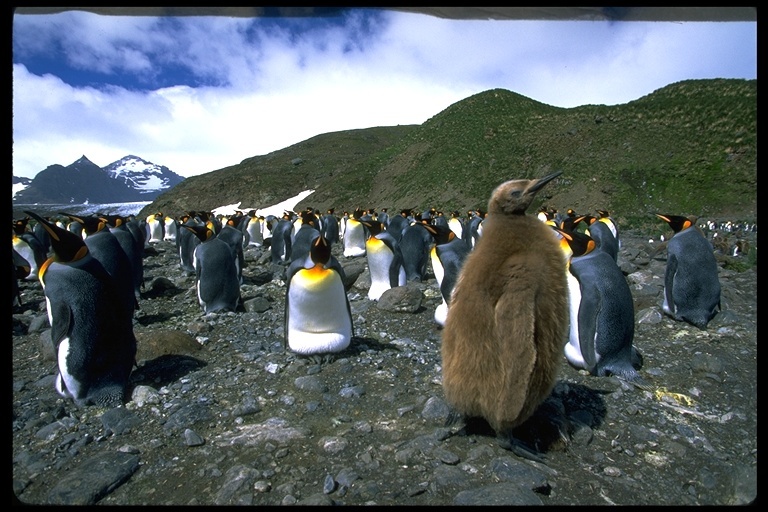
165	369
149	319
357	346
569	408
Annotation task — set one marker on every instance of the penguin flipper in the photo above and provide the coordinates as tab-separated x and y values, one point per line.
62	321
669	280
589	309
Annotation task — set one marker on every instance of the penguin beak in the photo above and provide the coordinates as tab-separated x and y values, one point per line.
538	184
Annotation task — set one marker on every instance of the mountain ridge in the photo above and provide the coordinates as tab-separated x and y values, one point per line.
129	179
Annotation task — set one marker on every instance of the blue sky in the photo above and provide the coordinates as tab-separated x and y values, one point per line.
199	93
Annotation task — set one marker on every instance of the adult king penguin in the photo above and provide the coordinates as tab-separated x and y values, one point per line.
92	336
602	311
216	279
691	282
385	261
508	317
318	319
355	236
447	257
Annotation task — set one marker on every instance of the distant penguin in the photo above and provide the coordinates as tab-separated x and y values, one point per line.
691	281
171	229
383	217
230	234
29	247
304	237
397	224
602	311
456	225
42	235
281	240
186	242
508	317
155	227
254	230
331	227
447	257
216	279
355	236
318	318
603	236
472	228
92	337
385	261
20	271
415	245
605	217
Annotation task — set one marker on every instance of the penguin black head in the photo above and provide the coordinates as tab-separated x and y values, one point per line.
602	213
307	217
91	224
442	234
320	251
676	222
20	226
202	232
579	243
113	220
66	246
374	227
514	197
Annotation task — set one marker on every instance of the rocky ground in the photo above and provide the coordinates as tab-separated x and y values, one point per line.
221	414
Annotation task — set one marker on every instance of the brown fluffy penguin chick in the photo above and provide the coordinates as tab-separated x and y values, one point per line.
508	318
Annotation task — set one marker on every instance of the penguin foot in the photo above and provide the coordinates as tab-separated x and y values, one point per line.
509	442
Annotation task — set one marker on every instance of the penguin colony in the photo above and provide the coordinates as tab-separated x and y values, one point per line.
520	293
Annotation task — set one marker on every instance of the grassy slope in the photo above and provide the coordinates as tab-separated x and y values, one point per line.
688	148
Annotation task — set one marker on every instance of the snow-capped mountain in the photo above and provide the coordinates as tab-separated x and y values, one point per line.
128	179
146	177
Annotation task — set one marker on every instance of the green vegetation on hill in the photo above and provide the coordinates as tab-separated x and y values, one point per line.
689	148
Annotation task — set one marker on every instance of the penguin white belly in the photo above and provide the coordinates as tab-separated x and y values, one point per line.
318	319
379	261
354	240
28	254
66	385
170	231
155	231
573	348
255	236
441	312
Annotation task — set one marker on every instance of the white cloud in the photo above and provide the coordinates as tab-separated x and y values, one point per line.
268	87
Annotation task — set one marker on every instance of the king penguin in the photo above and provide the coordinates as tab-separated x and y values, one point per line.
105	247
602	234
280	247
385	261
171	229
508	317
318	319
415	245
187	242
28	247
447	257
92	337
691	282
355	236
216	279
155	227
602	314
